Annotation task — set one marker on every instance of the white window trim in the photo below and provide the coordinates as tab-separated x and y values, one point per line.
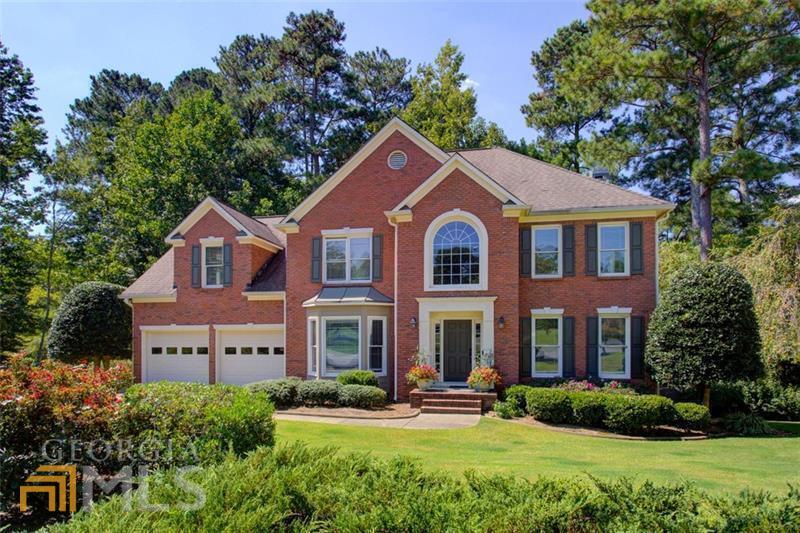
370	320
560	272
210	242
483	260
614	312
313	322
323	343
345	234
627	270
547	313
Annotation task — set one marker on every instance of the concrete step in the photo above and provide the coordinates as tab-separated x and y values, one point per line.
450	402
450	410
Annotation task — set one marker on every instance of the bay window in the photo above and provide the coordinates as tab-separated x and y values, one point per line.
342	344
377	345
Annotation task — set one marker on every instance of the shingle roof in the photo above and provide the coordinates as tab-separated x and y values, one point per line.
271	276
156	281
347	296
547	187
252	225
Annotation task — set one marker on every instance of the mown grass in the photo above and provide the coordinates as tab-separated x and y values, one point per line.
725	465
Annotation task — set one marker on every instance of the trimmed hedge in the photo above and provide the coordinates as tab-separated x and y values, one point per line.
692	416
516	394
185	423
358	377
588	409
282	392
635	414
318	392
765	398
549	405
298	488
362	396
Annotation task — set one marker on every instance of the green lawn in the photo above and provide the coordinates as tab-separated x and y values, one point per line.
498	446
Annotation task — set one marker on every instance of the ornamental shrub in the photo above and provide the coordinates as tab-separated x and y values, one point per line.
588	408
282	392
362	396
515	394
357	377
692	416
176	424
548	405
704	329
507	410
91	322
749	424
298	488
318	392
766	398
637	414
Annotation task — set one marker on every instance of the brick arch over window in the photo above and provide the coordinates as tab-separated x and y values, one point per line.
468	228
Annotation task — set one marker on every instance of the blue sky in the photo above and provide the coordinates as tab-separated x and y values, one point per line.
64	43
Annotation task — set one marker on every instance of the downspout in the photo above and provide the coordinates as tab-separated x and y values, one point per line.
394	305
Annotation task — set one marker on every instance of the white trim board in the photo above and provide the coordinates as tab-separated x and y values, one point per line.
331	183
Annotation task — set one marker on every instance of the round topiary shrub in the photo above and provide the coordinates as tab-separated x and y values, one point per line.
362	396
704	329
92	322
282	392
318	392
692	416
358	377
548	405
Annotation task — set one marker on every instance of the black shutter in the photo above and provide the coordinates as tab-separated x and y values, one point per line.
377	257
196	265
316	259
637	253
227	265
525	252
525	349
591	346
591	249
637	347
568	253
568	343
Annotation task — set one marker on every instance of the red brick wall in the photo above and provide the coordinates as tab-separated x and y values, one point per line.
581	295
460	191
208	306
359	201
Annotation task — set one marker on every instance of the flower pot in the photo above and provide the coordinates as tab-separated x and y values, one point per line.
424	384
483	386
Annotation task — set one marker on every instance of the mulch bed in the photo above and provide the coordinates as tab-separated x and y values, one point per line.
392	410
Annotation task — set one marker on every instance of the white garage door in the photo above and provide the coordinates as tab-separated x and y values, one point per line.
251	354
176	355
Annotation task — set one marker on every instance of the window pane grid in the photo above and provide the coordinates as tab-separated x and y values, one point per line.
613	347
613	249
456	255
546	345
348	259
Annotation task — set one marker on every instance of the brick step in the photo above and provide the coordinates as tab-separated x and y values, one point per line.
450	410
447	402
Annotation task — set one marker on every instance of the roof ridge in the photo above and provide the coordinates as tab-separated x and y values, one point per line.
578	174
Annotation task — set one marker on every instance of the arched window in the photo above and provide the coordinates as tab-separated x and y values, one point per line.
456	255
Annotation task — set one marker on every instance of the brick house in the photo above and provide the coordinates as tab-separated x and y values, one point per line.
408	249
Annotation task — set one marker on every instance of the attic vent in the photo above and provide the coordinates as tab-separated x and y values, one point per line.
397	160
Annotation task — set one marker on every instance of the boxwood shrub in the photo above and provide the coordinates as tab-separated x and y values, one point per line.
516	394
588	408
174	424
299	488
357	377
507	410
548	405
362	396
636	414
692	416
320	392
282	392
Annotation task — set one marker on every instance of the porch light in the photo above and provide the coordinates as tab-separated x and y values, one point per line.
413	322
501	322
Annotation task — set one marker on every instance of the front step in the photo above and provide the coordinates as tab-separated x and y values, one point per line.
451	406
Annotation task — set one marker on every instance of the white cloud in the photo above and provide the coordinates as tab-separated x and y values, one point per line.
469	83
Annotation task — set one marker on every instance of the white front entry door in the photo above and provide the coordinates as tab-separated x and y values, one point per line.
175	354
248	354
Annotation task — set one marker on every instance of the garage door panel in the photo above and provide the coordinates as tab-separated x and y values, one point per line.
250	355
176	356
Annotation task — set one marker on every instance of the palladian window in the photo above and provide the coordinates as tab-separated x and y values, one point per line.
456	255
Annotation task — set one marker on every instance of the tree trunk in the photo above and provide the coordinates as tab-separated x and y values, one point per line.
695	207
707	396
97	362
40	350
704	187
744	192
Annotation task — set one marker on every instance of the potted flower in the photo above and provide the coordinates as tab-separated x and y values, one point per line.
484	378
423	375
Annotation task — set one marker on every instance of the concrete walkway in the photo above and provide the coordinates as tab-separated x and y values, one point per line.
422	421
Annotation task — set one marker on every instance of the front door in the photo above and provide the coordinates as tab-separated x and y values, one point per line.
457	349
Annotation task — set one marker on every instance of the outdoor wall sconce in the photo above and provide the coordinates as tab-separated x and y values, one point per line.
501	322
413	322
